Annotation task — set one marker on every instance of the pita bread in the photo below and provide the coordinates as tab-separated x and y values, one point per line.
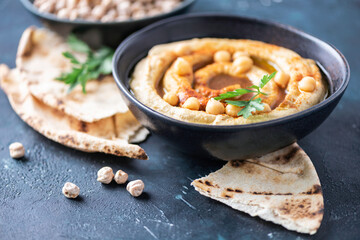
281	187
40	61
108	135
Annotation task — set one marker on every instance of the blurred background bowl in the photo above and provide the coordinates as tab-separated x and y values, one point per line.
236	141
96	32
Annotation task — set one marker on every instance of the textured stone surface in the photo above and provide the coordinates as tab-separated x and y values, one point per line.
33	207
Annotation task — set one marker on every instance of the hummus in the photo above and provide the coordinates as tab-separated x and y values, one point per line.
201	69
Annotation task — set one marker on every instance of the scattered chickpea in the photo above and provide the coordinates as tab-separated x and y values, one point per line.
105	175
222	56
232	110
182	67
242	65
70	190
214	107
239	54
17	150
281	79
135	188
121	177
192	103
171	98
307	84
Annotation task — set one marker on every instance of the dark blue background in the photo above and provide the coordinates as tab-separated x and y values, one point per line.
33	207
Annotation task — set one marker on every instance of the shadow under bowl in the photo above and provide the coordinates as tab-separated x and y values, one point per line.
239	141
106	33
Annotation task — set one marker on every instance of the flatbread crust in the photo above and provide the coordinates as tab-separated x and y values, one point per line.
109	135
40	61
281	187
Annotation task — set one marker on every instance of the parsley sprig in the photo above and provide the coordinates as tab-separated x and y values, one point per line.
97	63
251	105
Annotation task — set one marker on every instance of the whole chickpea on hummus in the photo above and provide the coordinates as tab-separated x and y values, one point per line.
182	80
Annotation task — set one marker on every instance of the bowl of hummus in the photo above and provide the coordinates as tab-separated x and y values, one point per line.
229	87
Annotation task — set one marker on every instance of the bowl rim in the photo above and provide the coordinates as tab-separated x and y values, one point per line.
52	17
274	122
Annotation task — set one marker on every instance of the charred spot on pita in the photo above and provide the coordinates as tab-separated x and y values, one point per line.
226	195
83	126
237	163
316	189
291	154
208	183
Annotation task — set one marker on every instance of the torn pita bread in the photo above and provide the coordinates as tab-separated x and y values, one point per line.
40	61
109	135
281	187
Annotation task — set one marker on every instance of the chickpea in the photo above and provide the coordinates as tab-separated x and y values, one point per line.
73	14
71	4
110	16
83	12
98	12
168	5
239	54
47	7
135	188
105	175
266	109
121	177
214	107
60	4
17	150
171	98
182	67
70	190
242	65
222	56
38	3
307	84
64	13
138	14
281	79
232	110
83	3
181	49
153	12
192	103
106	3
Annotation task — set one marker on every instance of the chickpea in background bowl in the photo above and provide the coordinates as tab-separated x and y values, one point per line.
105	10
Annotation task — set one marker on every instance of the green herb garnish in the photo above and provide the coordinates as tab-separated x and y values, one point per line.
254	103
97	63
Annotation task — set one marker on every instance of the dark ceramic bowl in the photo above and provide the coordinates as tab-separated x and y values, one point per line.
240	141
111	33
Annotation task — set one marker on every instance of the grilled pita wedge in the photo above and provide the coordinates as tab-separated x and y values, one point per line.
281	187
40	61
108	135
